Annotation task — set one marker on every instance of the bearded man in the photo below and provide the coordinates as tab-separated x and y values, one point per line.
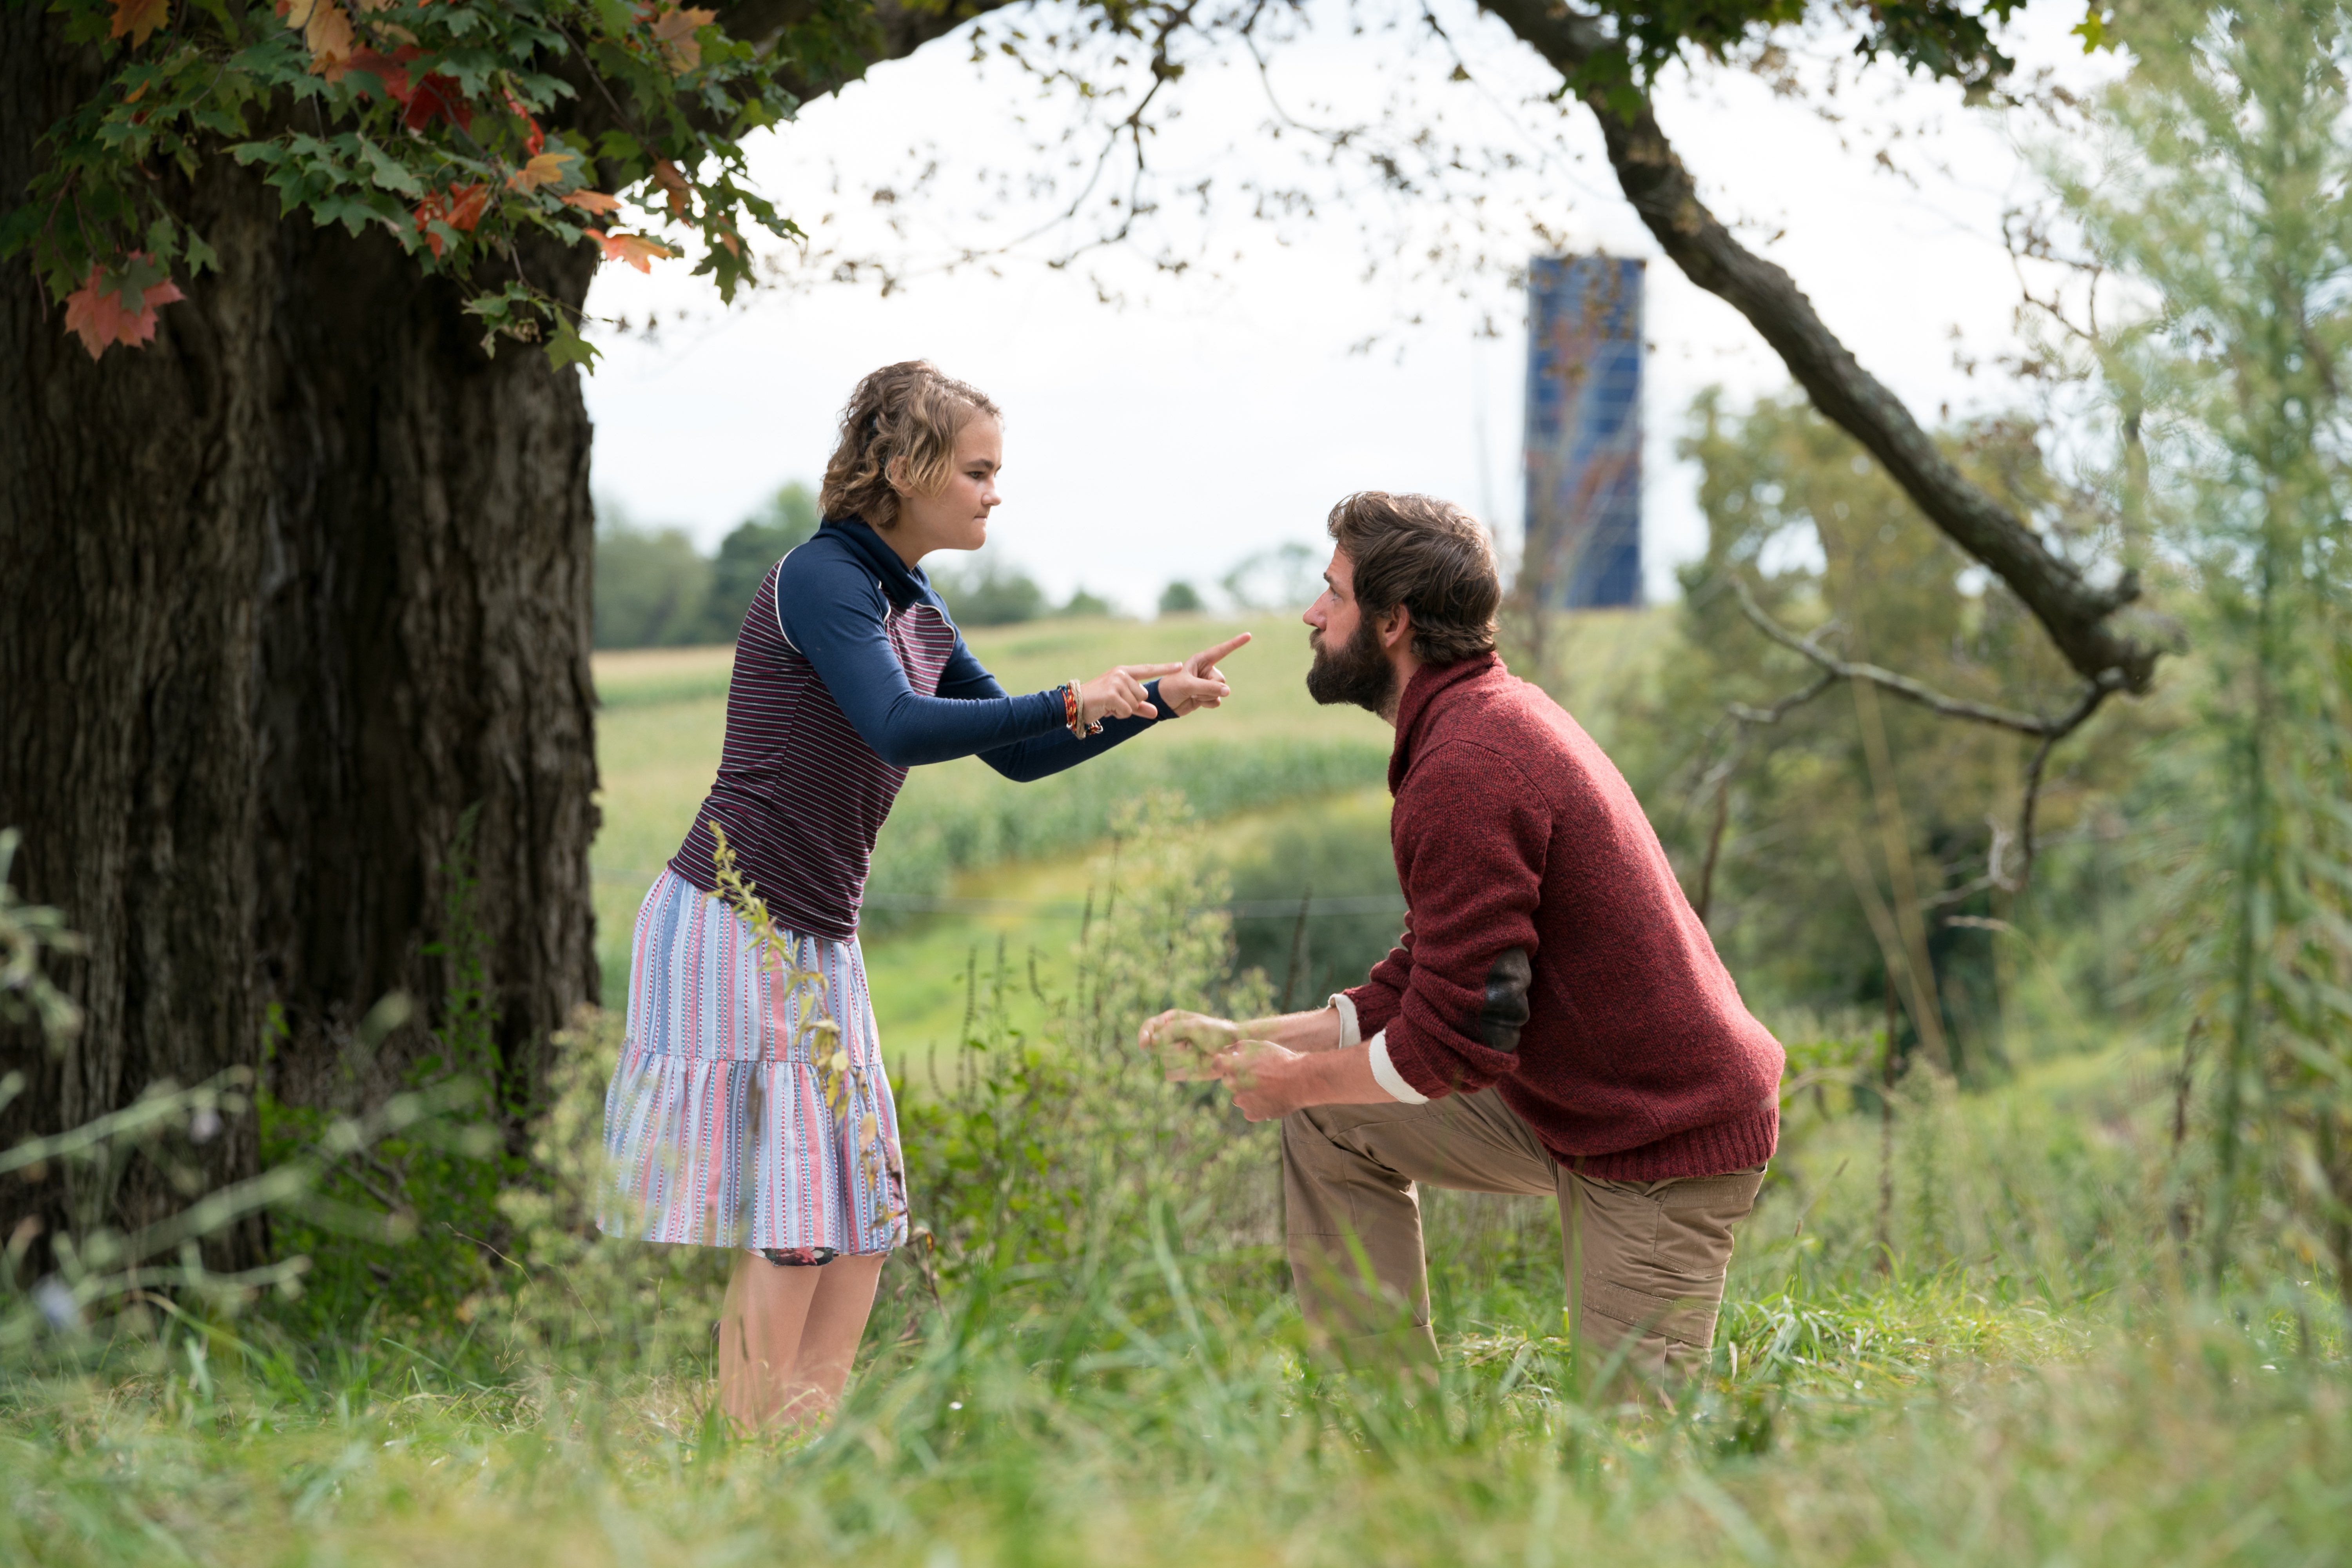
1554	1020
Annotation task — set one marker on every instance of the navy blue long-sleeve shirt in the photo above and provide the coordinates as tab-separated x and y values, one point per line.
848	671
834	599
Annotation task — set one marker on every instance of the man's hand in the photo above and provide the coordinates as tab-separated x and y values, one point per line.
1186	1042
1270	1082
1200	683
1267	1077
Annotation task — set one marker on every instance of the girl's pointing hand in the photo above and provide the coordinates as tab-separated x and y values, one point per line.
1198	682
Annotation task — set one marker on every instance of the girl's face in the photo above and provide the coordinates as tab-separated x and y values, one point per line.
956	518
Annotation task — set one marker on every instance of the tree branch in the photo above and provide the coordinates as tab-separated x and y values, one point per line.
1994	877
813	48
1902	686
2075	614
2050	730
1778	710
2074	719
1719	777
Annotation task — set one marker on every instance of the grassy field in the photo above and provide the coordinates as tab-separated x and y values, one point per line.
1964	1326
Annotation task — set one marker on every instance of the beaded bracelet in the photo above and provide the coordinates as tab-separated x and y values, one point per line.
1073	711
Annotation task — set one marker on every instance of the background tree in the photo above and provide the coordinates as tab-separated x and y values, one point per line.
988	593
1785	828
654	589
1181	599
747	554
1287	576
293	588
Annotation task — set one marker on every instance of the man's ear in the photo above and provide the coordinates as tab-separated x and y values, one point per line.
1396	627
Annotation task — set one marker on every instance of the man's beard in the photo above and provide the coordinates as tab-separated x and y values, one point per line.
1359	672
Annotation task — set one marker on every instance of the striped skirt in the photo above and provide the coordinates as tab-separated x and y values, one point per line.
749	1107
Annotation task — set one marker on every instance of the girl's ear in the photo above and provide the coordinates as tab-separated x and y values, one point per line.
894	474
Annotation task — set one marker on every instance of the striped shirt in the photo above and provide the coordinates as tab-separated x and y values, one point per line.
848	671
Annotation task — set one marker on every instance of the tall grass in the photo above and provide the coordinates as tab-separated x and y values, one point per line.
2224	197
1090	1355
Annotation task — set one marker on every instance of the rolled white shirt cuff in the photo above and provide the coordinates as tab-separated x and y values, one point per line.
1385	1072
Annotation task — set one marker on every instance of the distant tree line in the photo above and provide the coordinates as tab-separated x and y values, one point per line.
655	589
1287	577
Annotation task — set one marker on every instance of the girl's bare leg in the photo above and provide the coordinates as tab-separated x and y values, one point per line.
787	1336
759	1336
835	1323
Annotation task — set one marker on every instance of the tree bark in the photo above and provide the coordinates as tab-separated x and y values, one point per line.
2078	616
284	595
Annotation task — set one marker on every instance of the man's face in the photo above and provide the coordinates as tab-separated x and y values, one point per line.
1350	665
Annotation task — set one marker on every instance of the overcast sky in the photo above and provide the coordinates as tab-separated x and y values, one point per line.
1223	411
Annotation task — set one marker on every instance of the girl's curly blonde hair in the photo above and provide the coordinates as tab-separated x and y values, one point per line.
899	429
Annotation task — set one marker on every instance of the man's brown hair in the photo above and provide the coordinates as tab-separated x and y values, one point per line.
902	426
1430	556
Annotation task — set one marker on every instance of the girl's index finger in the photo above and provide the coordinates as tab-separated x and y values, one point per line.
1149	671
1211	656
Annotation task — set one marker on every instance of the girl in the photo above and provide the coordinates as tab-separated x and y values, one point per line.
750	1108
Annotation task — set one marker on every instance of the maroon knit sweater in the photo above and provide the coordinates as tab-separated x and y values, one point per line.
1549	949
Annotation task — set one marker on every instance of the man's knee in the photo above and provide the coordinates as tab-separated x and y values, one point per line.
1654	1260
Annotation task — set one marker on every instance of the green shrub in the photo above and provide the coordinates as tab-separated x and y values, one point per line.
747	554
1047	1150
1333	849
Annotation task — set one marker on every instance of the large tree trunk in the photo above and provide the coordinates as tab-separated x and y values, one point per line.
281	598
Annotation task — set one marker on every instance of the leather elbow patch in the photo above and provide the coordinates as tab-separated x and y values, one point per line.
1505	1011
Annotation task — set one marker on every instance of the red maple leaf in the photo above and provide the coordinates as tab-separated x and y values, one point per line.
391	69
592	202
119	307
138	19
634	248
537	140
436	99
460	208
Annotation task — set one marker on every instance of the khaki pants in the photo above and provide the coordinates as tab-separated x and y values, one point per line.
1646	1260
